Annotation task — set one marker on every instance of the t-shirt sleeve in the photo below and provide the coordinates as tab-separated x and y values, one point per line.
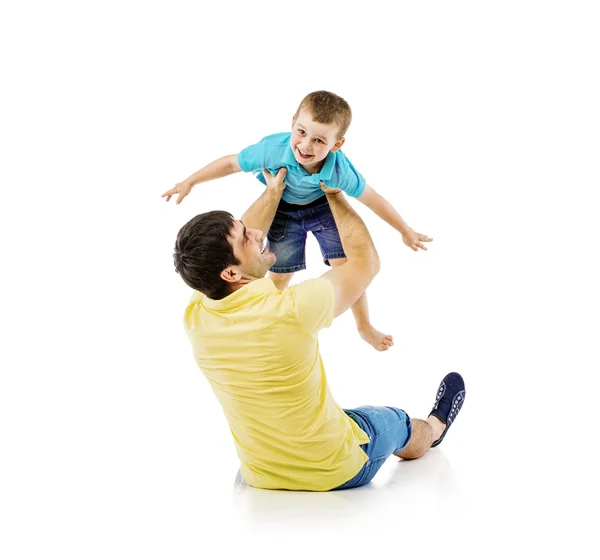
312	303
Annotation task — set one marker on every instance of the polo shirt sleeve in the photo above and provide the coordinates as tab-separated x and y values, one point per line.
347	178
312	303
351	181
253	158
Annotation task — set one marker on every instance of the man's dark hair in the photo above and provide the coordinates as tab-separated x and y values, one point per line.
203	251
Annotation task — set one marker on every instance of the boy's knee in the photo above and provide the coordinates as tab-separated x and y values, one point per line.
337	262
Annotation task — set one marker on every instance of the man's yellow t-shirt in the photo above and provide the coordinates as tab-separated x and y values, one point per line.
258	349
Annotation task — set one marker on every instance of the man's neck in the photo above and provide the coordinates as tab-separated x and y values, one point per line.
241	283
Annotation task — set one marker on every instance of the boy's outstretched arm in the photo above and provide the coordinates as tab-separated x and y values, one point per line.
219	168
387	212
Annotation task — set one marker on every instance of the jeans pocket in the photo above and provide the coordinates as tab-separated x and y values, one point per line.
278	227
327	222
325	217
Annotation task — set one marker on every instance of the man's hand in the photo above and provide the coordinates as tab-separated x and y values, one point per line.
262	211
327	190
414	240
183	189
275	182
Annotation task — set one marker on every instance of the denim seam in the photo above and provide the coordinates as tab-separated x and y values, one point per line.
286	270
382	432
337	255
374	460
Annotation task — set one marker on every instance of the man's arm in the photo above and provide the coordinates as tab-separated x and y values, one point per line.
362	265
215	170
380	206
261	213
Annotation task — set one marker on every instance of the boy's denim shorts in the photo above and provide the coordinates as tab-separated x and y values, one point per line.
390	431
287	236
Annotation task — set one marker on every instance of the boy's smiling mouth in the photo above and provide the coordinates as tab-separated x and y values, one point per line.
303	155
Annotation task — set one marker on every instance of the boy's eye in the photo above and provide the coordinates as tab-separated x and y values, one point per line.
300	131
319	141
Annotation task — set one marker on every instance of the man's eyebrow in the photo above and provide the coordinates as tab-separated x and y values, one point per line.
244	230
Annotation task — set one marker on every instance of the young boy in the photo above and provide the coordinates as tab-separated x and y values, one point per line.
311	153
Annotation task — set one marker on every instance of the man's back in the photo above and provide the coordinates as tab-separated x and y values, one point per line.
258	348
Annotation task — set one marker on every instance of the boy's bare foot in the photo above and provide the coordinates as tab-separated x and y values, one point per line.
376	339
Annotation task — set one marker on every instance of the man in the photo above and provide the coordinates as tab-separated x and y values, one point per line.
258	348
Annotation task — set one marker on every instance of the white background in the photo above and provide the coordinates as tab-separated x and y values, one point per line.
478	121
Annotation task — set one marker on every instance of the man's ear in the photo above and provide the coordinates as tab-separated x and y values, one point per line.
338	145
231	274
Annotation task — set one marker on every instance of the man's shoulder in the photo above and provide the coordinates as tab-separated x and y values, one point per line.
260	294
319	283
195	298
314	291
312	303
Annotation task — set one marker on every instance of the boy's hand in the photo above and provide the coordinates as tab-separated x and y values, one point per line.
275	182
414	240
327	190
183	189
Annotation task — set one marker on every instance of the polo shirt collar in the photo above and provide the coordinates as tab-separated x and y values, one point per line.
325	173
327	170
288	157
240	297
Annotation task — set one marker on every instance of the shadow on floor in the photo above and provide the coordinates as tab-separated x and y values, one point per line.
400	488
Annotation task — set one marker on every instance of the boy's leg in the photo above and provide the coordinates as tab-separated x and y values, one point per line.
360	310
281	279
287	239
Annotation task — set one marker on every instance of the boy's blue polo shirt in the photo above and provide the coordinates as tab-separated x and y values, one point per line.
274	152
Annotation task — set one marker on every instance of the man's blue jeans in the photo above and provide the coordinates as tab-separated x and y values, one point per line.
390	431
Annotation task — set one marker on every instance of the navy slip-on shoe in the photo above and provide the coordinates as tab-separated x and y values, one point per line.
449	400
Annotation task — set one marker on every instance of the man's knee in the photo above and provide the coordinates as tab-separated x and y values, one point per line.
420	441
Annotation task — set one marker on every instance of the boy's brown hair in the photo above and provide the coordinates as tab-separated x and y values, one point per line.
327	108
